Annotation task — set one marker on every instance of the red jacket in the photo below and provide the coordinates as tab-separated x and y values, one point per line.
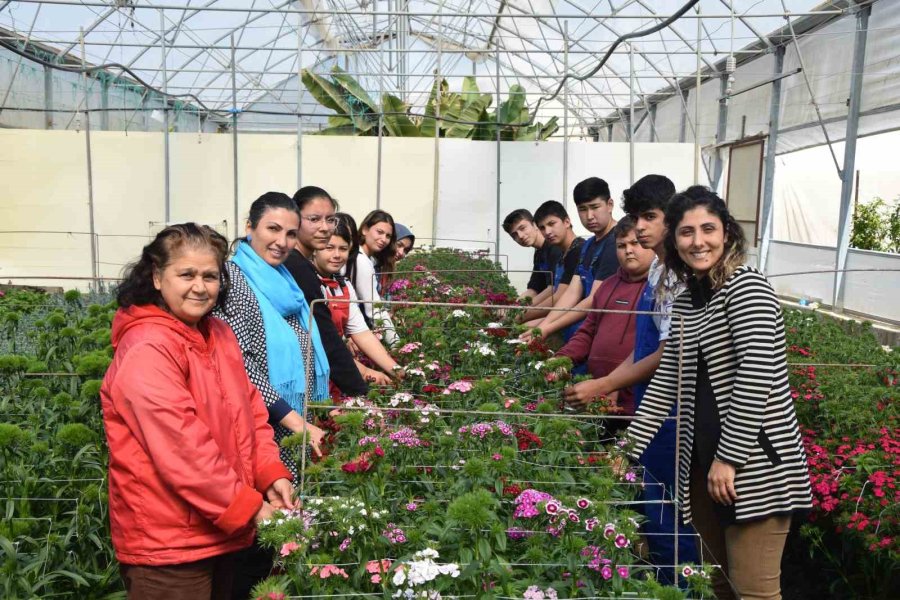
605	340
190	448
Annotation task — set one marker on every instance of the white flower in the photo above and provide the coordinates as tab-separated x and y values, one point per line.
495	325
514	341
399	577
459	314
539	365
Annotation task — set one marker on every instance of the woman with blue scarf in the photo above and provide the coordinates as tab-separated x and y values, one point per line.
270	318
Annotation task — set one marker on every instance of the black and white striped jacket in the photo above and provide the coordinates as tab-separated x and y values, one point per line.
741	335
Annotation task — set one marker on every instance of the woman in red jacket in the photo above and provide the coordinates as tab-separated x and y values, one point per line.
192	461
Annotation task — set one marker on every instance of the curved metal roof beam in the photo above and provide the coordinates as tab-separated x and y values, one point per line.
599	92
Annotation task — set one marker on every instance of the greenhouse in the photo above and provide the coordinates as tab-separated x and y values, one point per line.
443	299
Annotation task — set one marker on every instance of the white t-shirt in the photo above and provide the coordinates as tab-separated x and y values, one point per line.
664	301
367	289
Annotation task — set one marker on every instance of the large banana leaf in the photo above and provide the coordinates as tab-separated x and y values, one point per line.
333	97
470	91
352	87
470	113
398	124
428	125
325	93
511	110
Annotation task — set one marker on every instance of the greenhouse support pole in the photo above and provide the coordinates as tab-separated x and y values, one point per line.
380	116
771	147
652	109
630	114
299	101
48	98
90	170
856	81
682	124
497	209
234	132
565	190
721	131
697	156
104	104
165	89
437	133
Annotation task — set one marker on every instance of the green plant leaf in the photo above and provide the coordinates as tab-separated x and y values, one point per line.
398	124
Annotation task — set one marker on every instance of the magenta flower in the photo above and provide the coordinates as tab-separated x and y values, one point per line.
345	544
623	572
606	572
412	506
687	571
574	517
497	456
583	503
552	507
622	541
591	523
609	530
630	477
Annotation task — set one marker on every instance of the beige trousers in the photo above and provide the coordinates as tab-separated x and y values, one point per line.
749	553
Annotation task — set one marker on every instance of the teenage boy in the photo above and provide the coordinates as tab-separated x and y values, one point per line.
519	224
606	339
647	201
554	223
596	262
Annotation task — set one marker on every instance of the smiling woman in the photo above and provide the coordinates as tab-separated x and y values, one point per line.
176	383
745	474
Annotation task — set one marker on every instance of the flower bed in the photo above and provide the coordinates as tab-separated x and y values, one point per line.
470	480
850	427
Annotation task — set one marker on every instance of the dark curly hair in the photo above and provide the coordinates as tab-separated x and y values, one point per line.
137	286
735	250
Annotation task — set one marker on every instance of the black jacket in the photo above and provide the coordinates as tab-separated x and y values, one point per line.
344	373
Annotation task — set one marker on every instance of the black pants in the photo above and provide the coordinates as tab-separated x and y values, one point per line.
251	565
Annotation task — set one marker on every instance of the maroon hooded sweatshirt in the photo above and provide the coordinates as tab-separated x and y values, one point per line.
605	340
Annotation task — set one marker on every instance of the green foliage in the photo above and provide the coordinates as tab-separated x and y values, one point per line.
463	115
76	435
876	226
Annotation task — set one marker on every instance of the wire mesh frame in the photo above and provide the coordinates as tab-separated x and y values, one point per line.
308	366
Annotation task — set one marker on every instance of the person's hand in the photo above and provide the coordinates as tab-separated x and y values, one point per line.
720	483
583	393
266	512
398	372
377	377
281	494
314	437
351	345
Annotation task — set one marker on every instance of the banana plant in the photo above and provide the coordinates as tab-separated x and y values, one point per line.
463	115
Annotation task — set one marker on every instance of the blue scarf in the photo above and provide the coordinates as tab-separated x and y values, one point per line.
279	297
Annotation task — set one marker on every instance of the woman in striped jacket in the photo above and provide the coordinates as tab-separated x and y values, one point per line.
742	469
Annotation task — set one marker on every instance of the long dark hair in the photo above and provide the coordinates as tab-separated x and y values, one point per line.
346	229
137	286
735	250
372	219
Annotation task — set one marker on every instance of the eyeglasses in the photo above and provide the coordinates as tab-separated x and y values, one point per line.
314	220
